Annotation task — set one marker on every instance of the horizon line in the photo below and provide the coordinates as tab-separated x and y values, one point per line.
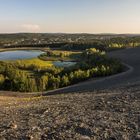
102	33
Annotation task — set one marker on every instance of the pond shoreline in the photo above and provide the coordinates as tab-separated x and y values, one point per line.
14	55
19	54
24	48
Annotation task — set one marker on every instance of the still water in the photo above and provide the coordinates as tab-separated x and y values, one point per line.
18	55
27	54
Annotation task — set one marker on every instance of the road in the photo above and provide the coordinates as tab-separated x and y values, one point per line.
131	57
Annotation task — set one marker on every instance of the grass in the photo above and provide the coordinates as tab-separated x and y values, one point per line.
32	61
59	55
31	66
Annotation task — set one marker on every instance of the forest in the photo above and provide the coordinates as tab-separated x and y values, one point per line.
37	75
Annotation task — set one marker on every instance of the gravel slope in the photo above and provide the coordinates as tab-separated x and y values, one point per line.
108	114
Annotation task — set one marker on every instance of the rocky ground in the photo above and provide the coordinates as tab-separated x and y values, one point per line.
101	115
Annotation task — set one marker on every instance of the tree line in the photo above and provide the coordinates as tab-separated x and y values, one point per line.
104	44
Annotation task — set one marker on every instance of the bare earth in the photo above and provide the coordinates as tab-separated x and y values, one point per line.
111	113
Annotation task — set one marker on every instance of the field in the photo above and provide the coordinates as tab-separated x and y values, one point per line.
29	62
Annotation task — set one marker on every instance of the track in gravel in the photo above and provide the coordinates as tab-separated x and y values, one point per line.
130	57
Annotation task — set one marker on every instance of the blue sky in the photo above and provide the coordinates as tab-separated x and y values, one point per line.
74	16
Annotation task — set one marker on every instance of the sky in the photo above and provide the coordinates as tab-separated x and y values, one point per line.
70	16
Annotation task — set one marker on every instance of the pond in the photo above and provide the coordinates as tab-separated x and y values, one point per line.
19	54
28	54
64	63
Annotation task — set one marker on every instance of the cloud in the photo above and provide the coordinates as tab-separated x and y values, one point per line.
31	27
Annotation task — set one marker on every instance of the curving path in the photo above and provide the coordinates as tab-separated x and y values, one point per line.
131	57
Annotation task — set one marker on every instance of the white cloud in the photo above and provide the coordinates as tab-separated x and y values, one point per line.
31	27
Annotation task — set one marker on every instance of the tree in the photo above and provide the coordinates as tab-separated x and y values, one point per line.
54	82
2	79
43	83
65	81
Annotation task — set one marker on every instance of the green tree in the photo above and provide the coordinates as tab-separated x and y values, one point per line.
65	81
54	82
2	79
